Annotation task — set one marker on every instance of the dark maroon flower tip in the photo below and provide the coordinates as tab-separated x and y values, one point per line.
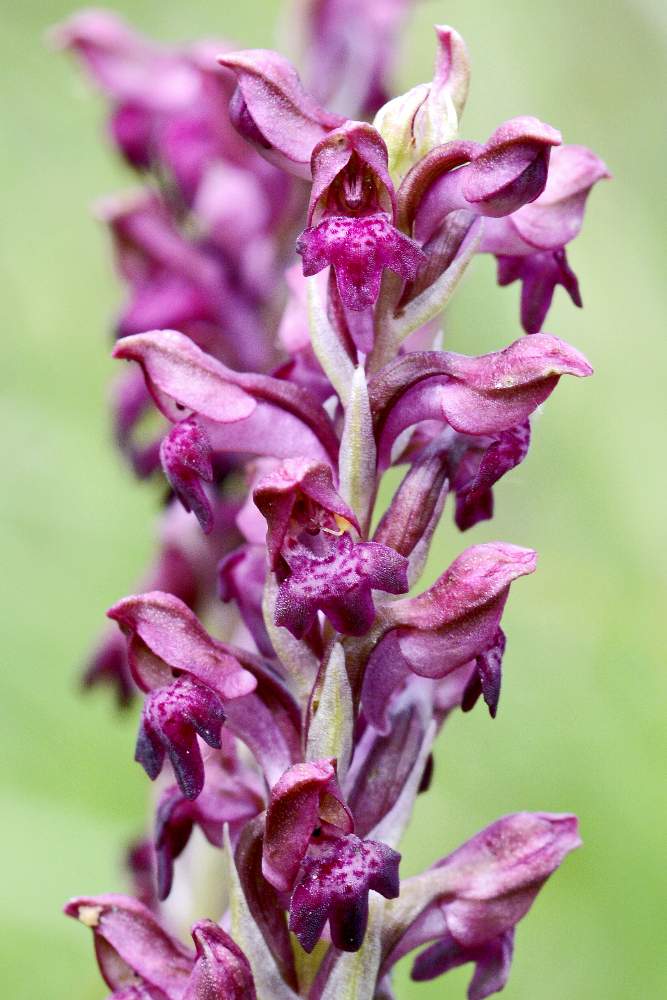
359	249
232	795
108	665
540	274
174	822
480	469
492	961
334	886
186	459
221	970
338	582
486	677
171	720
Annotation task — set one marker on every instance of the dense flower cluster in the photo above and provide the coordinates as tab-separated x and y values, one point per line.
292	683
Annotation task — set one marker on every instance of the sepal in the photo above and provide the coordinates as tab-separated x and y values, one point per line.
131	946
479	396
221	969
483	889
306	796
185	454
272	110
165	635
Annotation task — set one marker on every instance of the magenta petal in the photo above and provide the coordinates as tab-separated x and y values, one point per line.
171	720
165	635
186	459
457	619
132	129
124	65
339	583
306	795
221	969
555	218
334	886
180	375
295	483
491	882
430	191
244	411
359	249
477	577
479	396
273	110
131	944
511	168
353	156
499	872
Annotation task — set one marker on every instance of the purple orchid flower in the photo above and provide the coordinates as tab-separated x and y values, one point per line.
351	216
295	675
530	243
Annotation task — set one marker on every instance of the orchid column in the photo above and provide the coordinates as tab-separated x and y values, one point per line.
297	740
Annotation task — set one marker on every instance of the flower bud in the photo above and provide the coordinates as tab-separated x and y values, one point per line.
427	115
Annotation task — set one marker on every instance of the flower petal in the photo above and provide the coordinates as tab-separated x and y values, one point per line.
172	638
221	969
272	109
305	795
131	944
334	886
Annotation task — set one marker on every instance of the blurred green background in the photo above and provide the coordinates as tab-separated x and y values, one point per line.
581	721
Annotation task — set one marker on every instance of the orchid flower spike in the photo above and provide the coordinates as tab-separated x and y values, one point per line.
286	265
